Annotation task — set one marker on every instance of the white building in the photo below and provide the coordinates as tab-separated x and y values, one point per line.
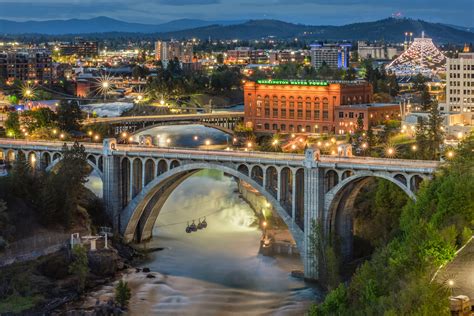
366	51
460	93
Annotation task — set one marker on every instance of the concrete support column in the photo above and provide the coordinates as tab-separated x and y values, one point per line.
278	184
293	195
264	184
143	175
112	184
131	180
313	209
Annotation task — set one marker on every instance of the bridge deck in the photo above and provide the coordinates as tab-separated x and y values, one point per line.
164	118
232	155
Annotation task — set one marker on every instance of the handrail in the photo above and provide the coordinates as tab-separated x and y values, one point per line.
236	153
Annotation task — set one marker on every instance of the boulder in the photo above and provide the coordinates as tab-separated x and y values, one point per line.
104	262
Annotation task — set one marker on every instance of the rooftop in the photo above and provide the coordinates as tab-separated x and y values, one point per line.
366	105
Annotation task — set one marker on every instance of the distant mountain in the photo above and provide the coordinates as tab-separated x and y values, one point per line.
390	30
463	28
99	25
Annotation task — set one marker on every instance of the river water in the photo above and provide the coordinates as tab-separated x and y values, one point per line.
217	270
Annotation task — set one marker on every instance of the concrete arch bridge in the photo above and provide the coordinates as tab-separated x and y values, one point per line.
302	189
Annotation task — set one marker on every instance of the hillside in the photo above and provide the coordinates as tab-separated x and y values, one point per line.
390	30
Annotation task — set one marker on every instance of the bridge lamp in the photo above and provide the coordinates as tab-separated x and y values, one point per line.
414	148
88	133
162	102
293	135
96	137
460	135
195	138
364	145
302	130
61	135
249	145
124	135
208	142
168	141
235	139
275	142
319	144
450	154
130	139
55	131
301	140
333	140
293	146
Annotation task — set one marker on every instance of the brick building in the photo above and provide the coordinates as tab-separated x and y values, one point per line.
300	105
371	114
26	65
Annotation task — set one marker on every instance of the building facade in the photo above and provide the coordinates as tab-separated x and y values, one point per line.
80	48
169	50
26	65
335	56
286	106
348	116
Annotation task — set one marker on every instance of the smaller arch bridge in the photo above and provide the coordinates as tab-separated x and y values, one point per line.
223	121
303	189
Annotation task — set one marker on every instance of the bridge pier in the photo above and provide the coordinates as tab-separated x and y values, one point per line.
112	183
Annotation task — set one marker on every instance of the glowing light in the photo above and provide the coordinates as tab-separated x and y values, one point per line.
235	139
460	135
168	141
130	139
88	133
293	146
390	152
414	147
364	145
293	135
124	134
195	138
301	140
303	130
61	136
249	145
319	144
208	142
275	142
96	137
450	283
264	224
450	154
333	140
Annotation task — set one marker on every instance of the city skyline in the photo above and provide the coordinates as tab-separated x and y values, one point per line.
311	12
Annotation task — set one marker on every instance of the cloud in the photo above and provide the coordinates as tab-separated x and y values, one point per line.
188	2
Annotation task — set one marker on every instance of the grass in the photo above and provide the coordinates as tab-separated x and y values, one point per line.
18	304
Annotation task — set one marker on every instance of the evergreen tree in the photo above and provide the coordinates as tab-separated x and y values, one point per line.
435	133
425	99
69	116
79	266
422	140
122	294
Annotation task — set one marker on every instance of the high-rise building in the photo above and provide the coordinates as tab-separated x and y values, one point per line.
309	106
26	65
460	94
169	50
335	56
80	48
382	52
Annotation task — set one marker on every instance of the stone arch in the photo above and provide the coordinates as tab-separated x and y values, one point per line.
132	214
401	178
243	169
33	159
137	166
125	181
339	202
271	179
415	182
10	155
174	164
149	170
331	179
45	159
92	159
162	167
286	187
257	175
346	174
59	157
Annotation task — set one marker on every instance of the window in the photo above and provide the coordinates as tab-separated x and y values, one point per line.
283	113
275	112
325	104
341	114
275	127
325	115
292	113
351	114
283	127
308	114
316	114
308	129
361	115
292	128
299	128
325	129
259	126
267	126
283	102
300	114
275	101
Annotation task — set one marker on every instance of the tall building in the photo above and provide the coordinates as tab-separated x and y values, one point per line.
169	50
335	56
26	65
366	51
287	106
460	93
80	48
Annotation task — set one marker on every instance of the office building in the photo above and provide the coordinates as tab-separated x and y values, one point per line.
335	55
169	50
26	65
309	106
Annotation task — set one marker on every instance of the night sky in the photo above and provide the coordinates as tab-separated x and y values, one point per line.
314	12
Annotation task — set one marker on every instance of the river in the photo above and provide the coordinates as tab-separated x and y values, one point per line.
217	270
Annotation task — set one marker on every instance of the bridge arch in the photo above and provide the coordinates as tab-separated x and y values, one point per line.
141	215
57	157
340	201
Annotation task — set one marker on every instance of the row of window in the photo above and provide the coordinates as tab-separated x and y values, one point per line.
291	100
458	91
458	67
283	114
351	115
458	100
291	128
458	75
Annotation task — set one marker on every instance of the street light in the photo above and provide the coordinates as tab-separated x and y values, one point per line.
208	142
450	154
414	148
195	138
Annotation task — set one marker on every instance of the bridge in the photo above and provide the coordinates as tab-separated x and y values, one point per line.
224	121
303	189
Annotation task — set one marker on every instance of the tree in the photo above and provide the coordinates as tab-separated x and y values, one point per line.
79	266
220	59
122	294
435	133
360	124
139	72
425	99
12	124
69	116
